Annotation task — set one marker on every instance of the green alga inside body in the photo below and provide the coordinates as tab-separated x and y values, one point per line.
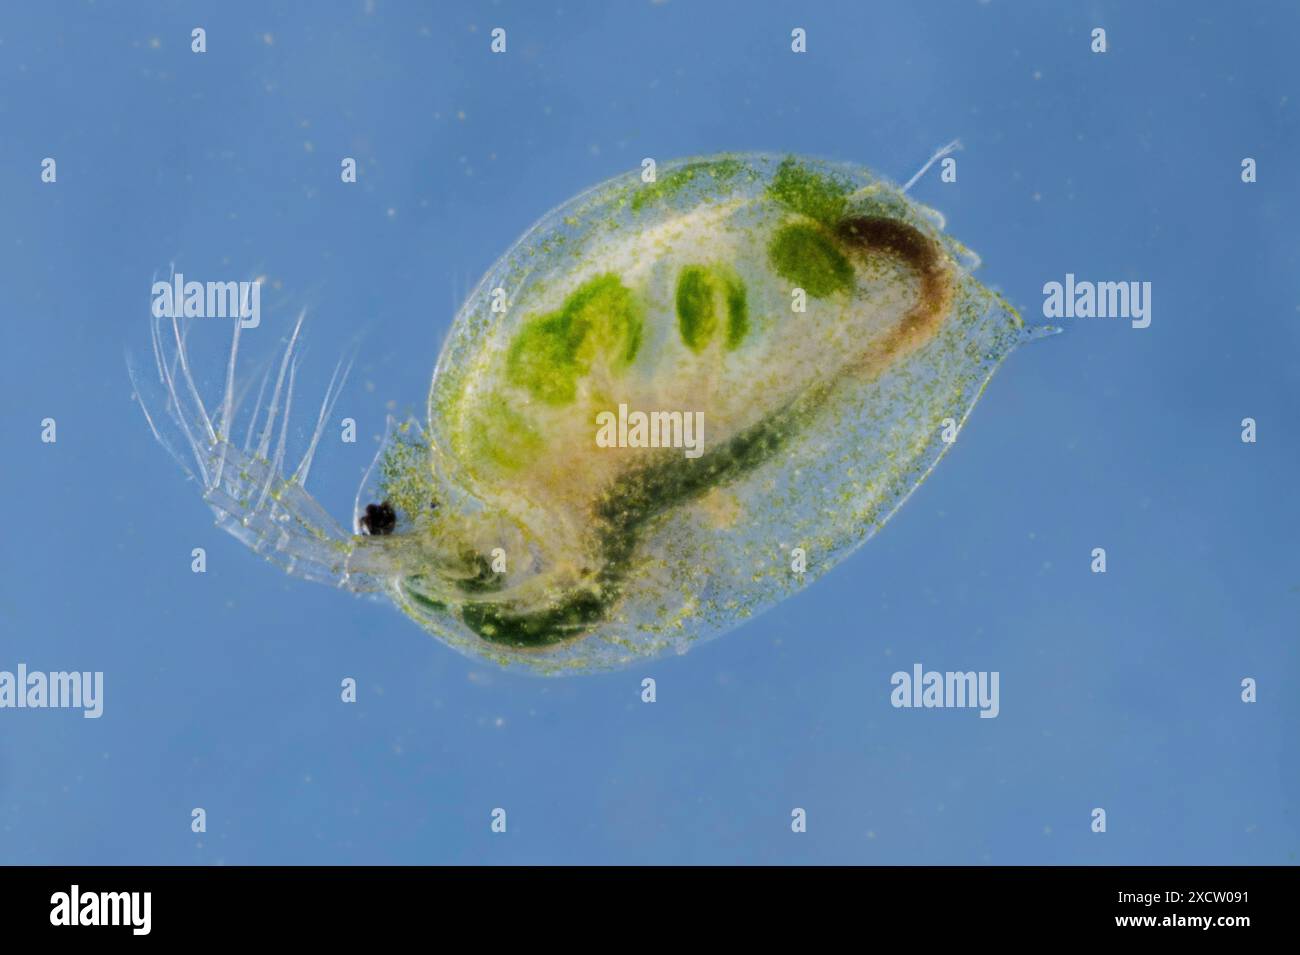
601	320
601	324
704	295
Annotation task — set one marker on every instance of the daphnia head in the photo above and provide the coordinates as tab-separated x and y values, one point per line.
456	558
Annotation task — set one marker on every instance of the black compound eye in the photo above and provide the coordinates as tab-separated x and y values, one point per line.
379	519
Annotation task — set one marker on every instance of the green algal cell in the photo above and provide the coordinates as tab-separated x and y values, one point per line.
610	318
502	435
811	259
737	313
816	195
697	319
600	321
543	358
721	172
703	293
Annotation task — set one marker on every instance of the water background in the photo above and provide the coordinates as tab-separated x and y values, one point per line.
1119	691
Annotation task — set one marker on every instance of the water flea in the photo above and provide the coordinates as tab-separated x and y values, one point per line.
508	531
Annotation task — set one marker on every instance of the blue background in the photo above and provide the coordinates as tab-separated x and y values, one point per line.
222	690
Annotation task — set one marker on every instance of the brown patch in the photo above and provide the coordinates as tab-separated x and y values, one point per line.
898	240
